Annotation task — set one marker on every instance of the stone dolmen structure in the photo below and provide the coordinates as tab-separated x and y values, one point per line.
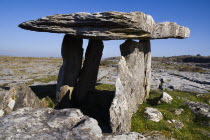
77	79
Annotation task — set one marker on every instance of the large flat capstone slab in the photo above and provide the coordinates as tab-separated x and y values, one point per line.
109	25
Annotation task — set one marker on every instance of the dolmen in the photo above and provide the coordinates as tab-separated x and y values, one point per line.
77	78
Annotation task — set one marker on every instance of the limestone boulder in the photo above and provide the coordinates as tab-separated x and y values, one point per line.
47	123
19	96
153	114
109	25
165	98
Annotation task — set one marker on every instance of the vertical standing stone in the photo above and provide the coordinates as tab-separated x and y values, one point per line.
130	90
72	53
89	72
147	61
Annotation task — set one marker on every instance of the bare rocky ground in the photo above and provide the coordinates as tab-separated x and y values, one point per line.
31	71
193	77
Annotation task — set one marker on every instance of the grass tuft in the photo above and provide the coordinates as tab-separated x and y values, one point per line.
107	87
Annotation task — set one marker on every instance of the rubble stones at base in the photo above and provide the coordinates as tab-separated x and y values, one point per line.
153	114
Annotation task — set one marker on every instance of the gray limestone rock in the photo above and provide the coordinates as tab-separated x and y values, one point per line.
165	98
109	25
176	124
147	62
7	71
153	114
201	110
178	111
176	80
47	123
130	86
19	96
88	75
72	53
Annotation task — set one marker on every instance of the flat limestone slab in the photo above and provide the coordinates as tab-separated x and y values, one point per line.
109	25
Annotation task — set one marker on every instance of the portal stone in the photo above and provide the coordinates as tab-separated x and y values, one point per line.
72	53
89	72
147	62
131	88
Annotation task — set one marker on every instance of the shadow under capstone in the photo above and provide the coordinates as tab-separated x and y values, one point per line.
43	91
96	106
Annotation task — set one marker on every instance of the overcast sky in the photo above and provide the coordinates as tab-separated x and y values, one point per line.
14	41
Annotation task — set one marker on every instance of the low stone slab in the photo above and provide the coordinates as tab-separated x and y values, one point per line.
47	123
110	25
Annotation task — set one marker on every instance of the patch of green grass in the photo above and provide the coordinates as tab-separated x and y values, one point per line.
107	87
51	103
46	79
107	62
192	126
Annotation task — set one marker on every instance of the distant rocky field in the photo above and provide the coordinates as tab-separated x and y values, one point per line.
168	75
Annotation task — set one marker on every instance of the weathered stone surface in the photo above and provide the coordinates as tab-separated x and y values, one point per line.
19	96
153	114
178	80
176	124
107	26
165	98
46	123
72	53
126	136
169	30
147	62
130	90
201	110
89	72
178	111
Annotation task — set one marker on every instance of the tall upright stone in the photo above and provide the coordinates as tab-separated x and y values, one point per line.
89	72
130	90
147	62
72	53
